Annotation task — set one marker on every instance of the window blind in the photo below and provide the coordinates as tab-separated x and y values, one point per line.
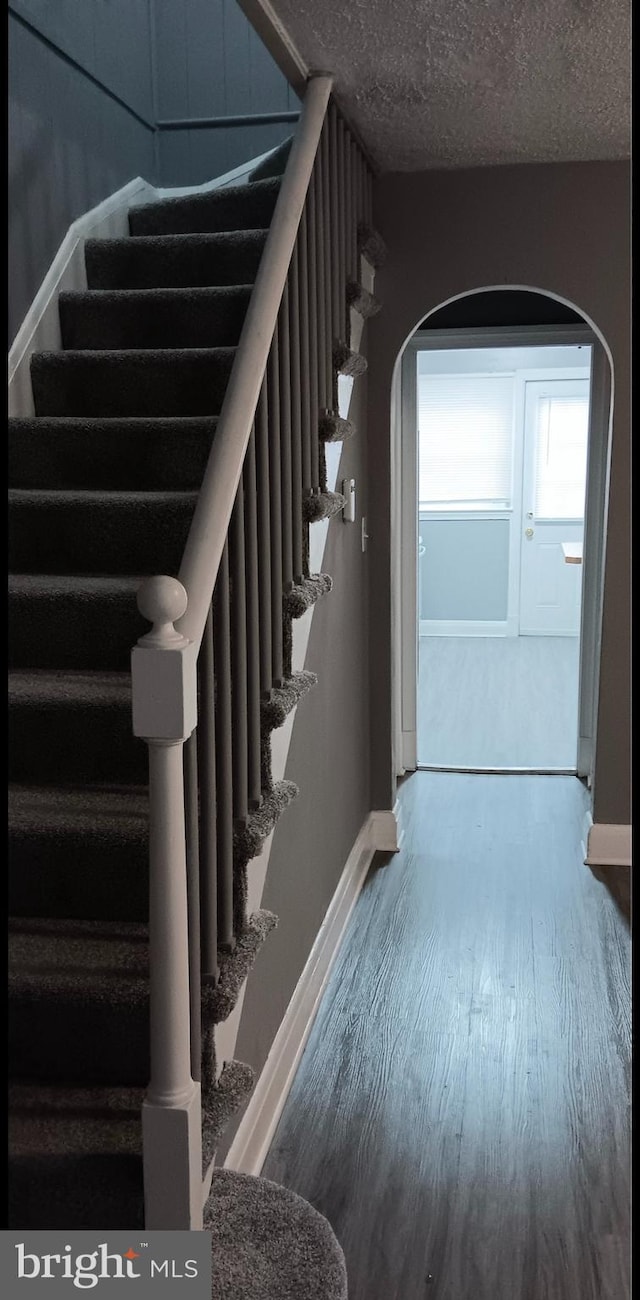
465	441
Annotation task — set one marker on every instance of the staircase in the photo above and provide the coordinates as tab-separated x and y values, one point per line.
104	483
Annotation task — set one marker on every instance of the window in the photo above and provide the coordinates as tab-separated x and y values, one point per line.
465	442
561	460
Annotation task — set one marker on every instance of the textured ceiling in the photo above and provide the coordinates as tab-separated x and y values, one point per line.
464	83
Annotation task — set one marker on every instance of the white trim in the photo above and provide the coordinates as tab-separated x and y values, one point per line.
386	830
404	565
250	1146
498	771
587	823
502	336
409	752
607	845
404	554
584	758
467	627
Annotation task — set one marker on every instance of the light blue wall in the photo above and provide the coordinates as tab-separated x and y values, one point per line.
464	572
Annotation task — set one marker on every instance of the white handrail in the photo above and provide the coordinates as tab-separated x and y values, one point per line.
212	515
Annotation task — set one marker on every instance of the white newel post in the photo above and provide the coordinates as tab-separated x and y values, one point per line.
163	671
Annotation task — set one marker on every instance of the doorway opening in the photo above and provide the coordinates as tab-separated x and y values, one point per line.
503	449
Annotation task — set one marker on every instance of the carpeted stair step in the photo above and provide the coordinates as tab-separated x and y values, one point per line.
152	454
78	852
74	1157
267	1243
365	303
333	428
174	261
79	998
73	727
167	381
305	594
153	318
84	532
234	207
283	699
348	362
78	1002
89	620
322	505
219	1000
248	839
221	1102
371	245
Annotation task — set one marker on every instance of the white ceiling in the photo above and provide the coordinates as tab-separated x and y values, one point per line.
465	83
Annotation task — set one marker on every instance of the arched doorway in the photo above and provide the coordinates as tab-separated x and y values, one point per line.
518	317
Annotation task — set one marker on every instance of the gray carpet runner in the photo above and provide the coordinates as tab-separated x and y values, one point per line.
103	484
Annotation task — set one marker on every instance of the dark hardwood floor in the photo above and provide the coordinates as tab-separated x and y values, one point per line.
460	1113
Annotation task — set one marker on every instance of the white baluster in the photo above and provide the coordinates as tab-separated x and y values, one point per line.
163	670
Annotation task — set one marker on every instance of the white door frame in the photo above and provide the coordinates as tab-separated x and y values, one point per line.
404	523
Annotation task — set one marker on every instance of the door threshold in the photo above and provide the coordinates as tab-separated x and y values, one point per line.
499	771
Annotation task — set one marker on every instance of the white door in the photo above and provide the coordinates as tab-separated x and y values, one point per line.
553	503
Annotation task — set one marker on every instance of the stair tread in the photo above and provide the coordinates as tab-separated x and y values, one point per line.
131	381
116	356
170	295
48	1120
97	496
110	453
53	956
196	316
43	809
220	206
207	196
215	238
72	686
180	260
109	423
90	583
81	960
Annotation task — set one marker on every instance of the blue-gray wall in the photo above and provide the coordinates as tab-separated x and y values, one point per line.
211	63
464	572
88	82
70	143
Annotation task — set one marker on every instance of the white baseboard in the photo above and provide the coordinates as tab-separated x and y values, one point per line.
249	1148
386	831
605	844
463	627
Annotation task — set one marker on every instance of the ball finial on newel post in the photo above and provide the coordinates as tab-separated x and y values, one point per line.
162	600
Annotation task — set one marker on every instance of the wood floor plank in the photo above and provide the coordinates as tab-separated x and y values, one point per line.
498	701
460	1113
